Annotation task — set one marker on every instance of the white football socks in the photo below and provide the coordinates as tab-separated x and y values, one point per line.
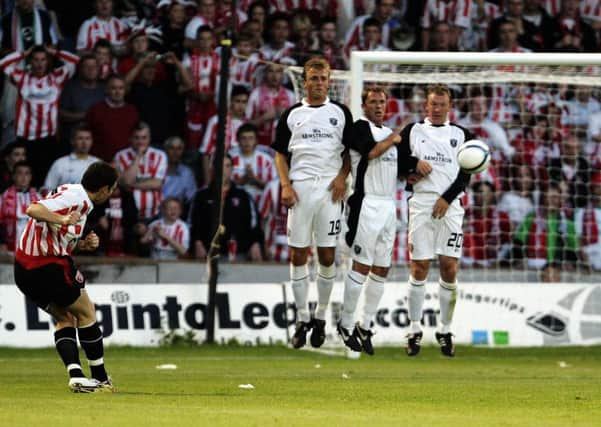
417	291
447	295
299	276
374	289
325	283
353	283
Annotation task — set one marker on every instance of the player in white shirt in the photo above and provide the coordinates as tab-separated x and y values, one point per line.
429	148
169	235
371	218
69	169
312	162
44	271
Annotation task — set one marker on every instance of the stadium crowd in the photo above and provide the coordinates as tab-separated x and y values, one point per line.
134	82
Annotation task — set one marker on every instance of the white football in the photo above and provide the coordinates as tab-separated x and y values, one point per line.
473	156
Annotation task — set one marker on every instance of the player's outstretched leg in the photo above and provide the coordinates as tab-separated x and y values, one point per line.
300	288
353	284
416	302
91	340
374	289
447	296
325	283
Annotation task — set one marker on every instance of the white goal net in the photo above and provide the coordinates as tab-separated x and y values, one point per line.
535	214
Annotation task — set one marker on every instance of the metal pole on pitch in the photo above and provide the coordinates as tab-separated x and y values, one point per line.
217	228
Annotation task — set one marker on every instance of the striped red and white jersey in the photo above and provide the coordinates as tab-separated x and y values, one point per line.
152	166
178	231
275	217
553	7
204	69
37	99
475	37
114	30
263	99
42	239
268	53
210	136
590	10
262	165
242	71
13	216
454	12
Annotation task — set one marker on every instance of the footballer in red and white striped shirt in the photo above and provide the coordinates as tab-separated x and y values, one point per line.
143	169
38	89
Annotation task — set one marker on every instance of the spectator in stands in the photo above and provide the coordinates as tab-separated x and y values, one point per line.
383	12
39	89
204	18
118	226
70	169
139	50
234	119
440	38
253	27
267	102
168	235
520	199
487	238
243	236
203	66
569	31
525	30
590	12
26	26
12	154
143	170
252	168
104	56
328	46
102	26
179	182
593	145
456	13
223	16
536	14
372	36
301	34
80	94
573	170
173	28
588	225
474	37
492	133
244	62
278	48
508	37
581	108
275	216
156	99
121	116
547	236
13	204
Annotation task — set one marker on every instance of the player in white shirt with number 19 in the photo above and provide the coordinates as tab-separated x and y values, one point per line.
312	162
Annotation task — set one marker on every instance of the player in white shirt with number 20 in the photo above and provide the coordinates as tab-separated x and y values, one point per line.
429	149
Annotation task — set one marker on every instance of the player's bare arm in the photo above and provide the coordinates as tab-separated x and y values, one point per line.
381	147
40	212
289	196
338	184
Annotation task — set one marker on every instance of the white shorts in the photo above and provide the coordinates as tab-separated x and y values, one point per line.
429	237
372	229
314	218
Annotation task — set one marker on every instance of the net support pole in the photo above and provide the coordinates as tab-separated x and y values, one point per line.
217	213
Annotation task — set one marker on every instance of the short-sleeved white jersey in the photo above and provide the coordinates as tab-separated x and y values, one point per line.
314	137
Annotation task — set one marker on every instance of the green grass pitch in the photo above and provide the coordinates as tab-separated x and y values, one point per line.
480	387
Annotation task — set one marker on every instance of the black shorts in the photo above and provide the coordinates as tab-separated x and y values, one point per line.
59	283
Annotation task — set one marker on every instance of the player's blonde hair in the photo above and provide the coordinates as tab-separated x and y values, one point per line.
440	90
316	63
